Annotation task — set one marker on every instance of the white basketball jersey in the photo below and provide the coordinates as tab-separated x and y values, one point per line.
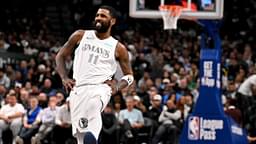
94	60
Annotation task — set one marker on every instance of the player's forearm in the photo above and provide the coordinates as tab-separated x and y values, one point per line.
126	80
60	66
122	84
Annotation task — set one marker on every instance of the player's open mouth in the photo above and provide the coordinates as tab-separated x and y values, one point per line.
98	24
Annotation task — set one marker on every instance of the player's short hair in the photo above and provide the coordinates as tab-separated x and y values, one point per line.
112	11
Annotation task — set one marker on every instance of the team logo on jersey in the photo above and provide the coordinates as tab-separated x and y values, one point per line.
83	122
193	128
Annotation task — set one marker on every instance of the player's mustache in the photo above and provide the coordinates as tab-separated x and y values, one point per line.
98	21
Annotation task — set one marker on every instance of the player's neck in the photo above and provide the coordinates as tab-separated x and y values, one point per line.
102	36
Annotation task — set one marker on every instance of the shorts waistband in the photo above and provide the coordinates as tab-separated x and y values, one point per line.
80	85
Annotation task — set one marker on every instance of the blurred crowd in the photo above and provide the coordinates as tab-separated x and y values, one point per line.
35	107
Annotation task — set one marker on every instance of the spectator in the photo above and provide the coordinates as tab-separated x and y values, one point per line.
167	90
245	96
146	76
3	44
43	99
231	110
47	87
231	90
11	116
4	79
144	94
131	121
23	69
156	107
60	98
28	86
168	130
110	127
139	105
10	72
188	106
154	111
3	91
40	75
117	109
62	132
30	125
47	118
152	92
24	96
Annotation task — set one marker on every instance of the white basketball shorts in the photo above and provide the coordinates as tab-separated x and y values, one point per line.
86	105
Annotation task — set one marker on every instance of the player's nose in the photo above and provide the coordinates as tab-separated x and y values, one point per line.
97	19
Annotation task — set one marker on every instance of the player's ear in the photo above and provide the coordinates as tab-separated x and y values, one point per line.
113	21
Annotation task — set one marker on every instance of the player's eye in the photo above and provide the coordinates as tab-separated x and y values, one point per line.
102	15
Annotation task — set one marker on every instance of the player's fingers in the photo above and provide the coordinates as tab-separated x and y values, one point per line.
73	81
66	88
108	82
70	85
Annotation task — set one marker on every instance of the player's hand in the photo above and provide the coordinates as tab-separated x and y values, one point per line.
112	84
68	83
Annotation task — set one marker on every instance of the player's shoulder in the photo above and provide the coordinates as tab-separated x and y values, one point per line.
79	33
120	47
121	50
77	36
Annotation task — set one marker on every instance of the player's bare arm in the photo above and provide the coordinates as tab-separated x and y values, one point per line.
65	51
123	58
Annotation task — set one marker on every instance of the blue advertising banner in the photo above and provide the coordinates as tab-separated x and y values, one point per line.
208	123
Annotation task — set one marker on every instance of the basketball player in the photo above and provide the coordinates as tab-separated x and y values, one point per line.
95	62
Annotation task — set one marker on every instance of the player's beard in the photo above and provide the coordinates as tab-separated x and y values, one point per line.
102	27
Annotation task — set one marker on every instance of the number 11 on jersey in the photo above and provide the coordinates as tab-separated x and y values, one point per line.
93	59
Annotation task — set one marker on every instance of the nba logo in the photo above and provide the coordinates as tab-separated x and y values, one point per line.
193	128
